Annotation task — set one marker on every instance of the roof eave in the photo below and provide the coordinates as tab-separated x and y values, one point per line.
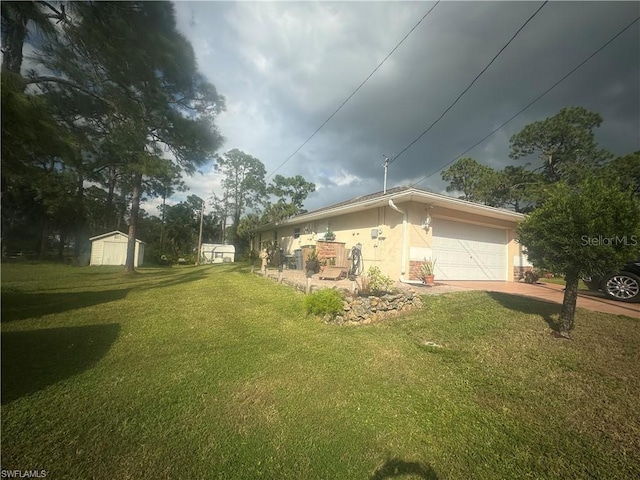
412	194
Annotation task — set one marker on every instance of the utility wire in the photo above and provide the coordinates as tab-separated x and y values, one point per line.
530	103
354	92
470	85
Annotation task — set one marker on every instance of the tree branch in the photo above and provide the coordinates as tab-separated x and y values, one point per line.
69	83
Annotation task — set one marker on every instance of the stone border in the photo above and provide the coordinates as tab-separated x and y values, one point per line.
370	308
359	310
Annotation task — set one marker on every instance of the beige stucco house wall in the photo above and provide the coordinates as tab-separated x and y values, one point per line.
469	241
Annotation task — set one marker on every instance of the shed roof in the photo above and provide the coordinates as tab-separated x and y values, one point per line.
110	234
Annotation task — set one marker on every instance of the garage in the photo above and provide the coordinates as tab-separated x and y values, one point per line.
464	251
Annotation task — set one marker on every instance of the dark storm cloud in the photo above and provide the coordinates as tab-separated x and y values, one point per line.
285	67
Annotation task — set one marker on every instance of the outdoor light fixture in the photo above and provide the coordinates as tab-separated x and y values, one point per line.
426	223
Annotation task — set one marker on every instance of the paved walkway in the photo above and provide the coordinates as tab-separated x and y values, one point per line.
553	293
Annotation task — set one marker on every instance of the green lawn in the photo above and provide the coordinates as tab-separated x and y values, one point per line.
561	281
211	372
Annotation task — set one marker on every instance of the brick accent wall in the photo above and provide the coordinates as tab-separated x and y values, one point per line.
414	269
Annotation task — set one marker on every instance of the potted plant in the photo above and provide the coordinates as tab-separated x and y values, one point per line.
426	271
329	236
312	265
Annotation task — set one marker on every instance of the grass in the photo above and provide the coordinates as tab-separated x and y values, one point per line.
561	281
210	372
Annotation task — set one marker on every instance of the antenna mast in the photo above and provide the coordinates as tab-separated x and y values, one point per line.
386	163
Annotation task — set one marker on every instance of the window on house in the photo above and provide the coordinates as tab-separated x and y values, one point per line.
296	233
275	235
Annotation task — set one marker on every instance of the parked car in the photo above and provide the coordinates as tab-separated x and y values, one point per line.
623	285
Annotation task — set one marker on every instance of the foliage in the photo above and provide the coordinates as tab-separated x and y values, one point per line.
329	235
625	171
271	248
312	262
364	285
251	256
378	282
327	301
121	88
471	178
531	276
243	184
427	268
291	190
290	193
565	144
513	187
581	231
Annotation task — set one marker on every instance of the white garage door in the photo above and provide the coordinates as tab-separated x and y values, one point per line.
469	252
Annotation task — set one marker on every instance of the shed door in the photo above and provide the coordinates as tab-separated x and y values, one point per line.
114	253
469	252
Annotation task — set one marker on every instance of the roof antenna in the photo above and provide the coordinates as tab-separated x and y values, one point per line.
386	163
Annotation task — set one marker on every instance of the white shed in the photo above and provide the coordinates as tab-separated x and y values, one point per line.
111	249
217	253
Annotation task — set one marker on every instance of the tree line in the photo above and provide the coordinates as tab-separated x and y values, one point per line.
109	110
567	152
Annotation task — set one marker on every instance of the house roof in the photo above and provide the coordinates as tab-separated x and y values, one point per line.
398	195
110	234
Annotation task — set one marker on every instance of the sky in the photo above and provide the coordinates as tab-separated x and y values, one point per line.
285	67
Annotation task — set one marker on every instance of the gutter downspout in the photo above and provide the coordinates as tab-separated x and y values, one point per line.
404	245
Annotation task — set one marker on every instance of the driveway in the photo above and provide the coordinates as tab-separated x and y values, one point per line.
552	293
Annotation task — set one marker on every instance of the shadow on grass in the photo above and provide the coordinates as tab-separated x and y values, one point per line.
397	468
547	310
32	360
17	305
20	305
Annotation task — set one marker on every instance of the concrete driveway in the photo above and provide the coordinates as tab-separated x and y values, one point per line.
552	293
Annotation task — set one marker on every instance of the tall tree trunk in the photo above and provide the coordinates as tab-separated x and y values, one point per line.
568	311
164	204
44	238
110	209
14	32
133	222
61	246
81	225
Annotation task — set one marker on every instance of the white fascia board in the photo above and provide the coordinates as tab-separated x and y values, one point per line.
420	196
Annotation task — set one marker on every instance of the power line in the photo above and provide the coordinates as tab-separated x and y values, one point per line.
354	92
530	103
471	84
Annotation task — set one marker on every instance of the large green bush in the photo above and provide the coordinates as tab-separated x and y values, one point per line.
326	301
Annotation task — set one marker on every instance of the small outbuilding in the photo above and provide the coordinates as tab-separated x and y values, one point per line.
217	253
111	249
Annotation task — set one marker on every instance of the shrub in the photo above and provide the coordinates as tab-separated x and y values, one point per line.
379	283
531	276
326	301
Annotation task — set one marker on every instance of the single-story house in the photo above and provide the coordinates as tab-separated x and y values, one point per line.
217	253
111	249
399	229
